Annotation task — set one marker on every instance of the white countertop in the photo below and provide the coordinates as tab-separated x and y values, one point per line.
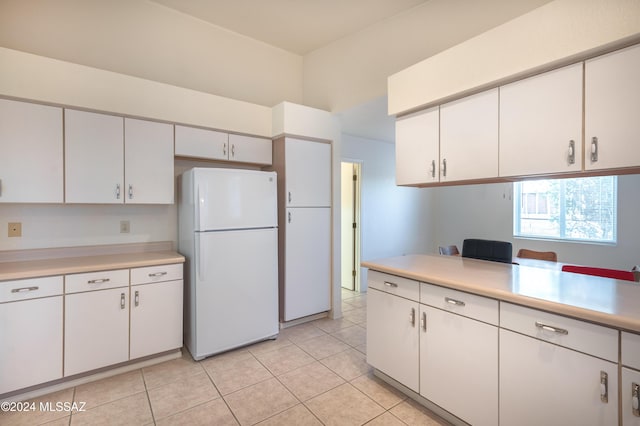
605	301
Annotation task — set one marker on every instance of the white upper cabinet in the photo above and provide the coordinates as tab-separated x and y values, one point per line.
469	138
308	173
612	102
148	160
417	148
201	143
250	149
94	166
541	124
31	164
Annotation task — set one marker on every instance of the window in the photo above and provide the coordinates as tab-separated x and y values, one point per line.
581	209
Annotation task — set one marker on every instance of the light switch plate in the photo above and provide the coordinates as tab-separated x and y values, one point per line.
125	227
15	229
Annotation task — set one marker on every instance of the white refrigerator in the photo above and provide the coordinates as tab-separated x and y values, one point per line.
228	232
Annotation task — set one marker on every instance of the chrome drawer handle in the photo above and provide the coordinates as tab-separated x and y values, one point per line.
547	327
157	274
392	285
454	301
99	281
24	289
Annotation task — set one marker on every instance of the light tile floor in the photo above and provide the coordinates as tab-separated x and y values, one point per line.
313	374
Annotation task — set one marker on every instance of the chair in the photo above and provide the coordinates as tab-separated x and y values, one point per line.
600	272
495	251
448	250
551	256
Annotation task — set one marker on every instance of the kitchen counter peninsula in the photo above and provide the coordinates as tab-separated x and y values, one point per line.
605	301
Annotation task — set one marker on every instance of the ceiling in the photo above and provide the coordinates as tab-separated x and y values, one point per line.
298	26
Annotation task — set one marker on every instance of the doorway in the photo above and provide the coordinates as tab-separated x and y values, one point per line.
350	225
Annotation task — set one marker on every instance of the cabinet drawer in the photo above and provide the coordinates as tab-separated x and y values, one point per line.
589	338
469	305
152	274
631	350
96	281
391	284
31	288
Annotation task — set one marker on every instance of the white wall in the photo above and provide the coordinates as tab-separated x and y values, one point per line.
486	211
394	220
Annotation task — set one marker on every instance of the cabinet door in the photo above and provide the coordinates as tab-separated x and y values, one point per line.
630	394
96	329
31	349
459	365
148	160
155	307
308	173
31	164
540	120
249	149
469	138
546	384
94	162
392	337
612	84
201	143
417	148
307	265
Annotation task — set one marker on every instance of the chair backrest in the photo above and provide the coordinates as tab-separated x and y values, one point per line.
540	255
448	250
600	272
496	251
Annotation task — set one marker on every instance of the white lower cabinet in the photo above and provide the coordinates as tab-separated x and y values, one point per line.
30	332
546	384
630	397
96	332
459	365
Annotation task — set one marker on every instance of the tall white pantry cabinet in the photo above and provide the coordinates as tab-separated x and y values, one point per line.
304	226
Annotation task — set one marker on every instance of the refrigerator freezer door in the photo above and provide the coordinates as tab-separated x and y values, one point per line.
236	288
235	199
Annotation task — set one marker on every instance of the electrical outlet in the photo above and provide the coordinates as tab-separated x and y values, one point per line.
15	229
125	227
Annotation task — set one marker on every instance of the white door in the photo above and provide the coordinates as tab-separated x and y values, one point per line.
31	349
612	85
469	138
156	318
31	163
235	199
249	149
630	394
201	143
96	329
308	173
94	158
148	160
392	336
540	122
459	365
546	384
236	289
417	148
308	264
347	225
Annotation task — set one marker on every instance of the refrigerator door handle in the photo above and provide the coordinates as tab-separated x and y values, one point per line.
201	264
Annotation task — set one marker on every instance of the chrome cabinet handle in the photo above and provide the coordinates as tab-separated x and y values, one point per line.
423	322
635	395
547	327
412	317
0	187
604	387
444	167
392	285
289	196
233	150
122	301
24	289
117	191
289	217
157	274
224	149
99	281
594	149
571	157
137	298
432	169
130	191
454	301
